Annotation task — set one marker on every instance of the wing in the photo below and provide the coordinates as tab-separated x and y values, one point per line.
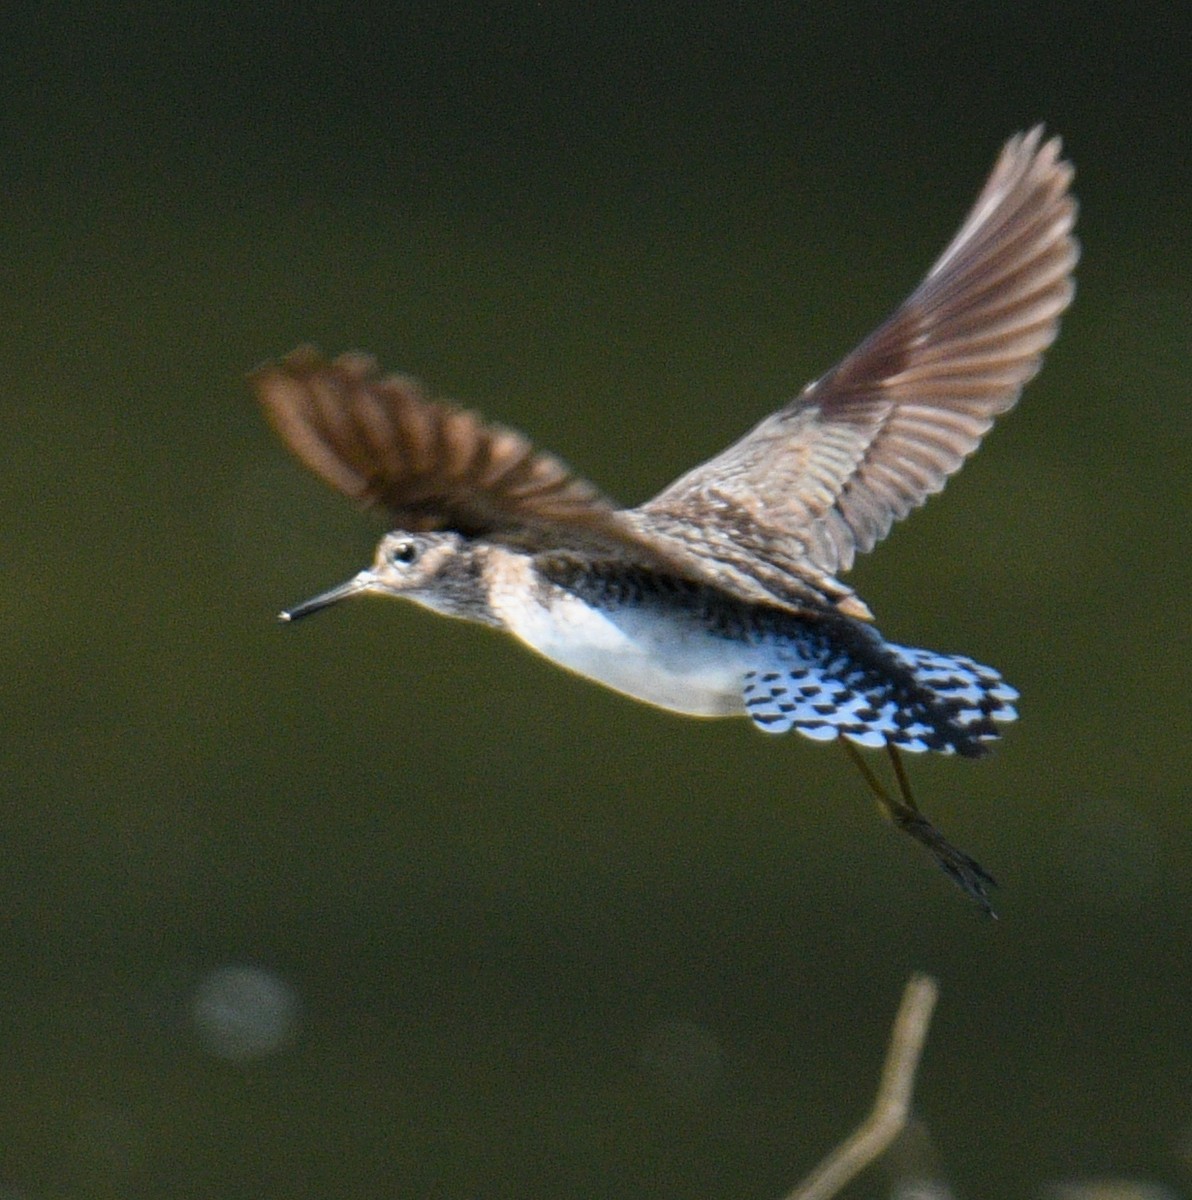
429	464
825	477
433	466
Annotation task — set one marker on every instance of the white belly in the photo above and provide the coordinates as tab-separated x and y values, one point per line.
673	663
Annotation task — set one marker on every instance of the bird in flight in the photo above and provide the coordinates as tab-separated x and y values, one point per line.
721	596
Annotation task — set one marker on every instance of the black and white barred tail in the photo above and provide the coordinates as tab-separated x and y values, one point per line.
825	685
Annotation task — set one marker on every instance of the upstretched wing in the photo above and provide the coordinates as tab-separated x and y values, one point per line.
775	516
431	465
825	477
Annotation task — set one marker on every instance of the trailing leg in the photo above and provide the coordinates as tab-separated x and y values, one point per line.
904	814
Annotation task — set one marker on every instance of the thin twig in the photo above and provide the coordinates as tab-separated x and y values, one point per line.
891	1108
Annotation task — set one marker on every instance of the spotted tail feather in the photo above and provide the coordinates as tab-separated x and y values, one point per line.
875	693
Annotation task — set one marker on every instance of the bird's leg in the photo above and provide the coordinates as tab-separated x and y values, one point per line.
904	814
966	871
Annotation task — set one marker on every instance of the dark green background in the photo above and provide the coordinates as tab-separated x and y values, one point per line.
548	942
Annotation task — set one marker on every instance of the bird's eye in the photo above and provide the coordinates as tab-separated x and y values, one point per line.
403	553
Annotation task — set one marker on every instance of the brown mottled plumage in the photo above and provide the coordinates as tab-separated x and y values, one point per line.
752	541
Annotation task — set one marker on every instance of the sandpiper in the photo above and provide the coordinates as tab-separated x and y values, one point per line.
720	596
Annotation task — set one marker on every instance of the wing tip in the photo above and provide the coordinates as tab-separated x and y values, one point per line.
306	362
314	405
377	439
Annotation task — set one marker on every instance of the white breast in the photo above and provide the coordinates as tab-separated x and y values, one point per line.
673	663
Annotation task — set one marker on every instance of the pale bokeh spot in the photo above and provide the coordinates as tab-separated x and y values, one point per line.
243	1012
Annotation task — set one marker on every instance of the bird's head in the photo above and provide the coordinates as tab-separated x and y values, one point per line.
437	570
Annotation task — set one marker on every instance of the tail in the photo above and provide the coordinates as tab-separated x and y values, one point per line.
847	682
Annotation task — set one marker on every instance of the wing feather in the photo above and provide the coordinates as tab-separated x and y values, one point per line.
431	465
826	477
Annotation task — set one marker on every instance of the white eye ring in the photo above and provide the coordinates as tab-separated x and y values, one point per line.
403	553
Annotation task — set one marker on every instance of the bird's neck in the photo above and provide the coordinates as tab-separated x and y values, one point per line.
463	587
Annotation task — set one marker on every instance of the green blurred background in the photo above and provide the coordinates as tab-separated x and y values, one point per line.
500	933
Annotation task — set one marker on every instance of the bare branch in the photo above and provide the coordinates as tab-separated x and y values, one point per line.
891	1108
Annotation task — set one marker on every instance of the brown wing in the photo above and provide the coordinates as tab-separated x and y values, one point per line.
431	465
826	476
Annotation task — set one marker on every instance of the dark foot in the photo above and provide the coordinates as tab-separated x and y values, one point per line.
903	812
966	872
